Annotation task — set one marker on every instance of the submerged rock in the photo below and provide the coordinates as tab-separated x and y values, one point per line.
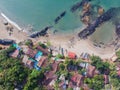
78	5
101	19
59	17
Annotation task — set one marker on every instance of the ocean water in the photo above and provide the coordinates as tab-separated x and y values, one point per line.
40	13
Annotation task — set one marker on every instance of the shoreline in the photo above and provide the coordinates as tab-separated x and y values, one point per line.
10	21
64	40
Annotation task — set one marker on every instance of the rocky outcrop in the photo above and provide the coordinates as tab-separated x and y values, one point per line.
41	33
78	5
90	29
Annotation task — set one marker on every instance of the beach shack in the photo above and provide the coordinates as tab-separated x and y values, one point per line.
85	56
72	55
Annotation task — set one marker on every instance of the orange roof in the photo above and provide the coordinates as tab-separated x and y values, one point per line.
71	55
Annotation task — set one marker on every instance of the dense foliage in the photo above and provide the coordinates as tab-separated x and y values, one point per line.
99	64
13	74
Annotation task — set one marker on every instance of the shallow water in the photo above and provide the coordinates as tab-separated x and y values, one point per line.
41	13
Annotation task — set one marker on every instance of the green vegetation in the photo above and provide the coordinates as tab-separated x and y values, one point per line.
14	75
99	64
95	83
118	54
114	79
29	43
42	45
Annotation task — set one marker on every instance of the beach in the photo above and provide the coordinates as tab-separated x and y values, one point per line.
16	34
68	42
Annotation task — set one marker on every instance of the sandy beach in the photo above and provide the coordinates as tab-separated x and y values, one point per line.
68	42
16	34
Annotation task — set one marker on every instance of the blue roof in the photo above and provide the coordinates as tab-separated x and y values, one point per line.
16	46
36	67
39	53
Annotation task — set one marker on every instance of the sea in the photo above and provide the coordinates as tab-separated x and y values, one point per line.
42	13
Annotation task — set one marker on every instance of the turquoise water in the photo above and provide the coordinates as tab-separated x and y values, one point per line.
41	13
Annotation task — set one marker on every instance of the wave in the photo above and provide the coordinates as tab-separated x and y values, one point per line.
11	22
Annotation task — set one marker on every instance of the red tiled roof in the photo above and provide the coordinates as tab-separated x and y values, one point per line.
15	54
30	63
78	79
41	61
71	55
90	71
31	53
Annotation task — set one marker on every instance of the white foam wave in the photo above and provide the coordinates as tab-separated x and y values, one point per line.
10	21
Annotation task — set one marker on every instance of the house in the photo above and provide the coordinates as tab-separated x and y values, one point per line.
72	55
30	64
77	80
25	59
45	51
50	76
31	53
90	71
15	54
55	65
42	62
106	79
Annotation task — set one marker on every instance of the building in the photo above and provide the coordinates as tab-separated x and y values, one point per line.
42	62
90	71
77	80
25	59
38	55
15	54
30	64
72	55
45	51
31	53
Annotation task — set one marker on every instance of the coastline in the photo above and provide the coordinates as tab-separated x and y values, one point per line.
70	42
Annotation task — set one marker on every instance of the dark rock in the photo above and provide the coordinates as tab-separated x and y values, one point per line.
59	17
101	19
41	33
78	5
